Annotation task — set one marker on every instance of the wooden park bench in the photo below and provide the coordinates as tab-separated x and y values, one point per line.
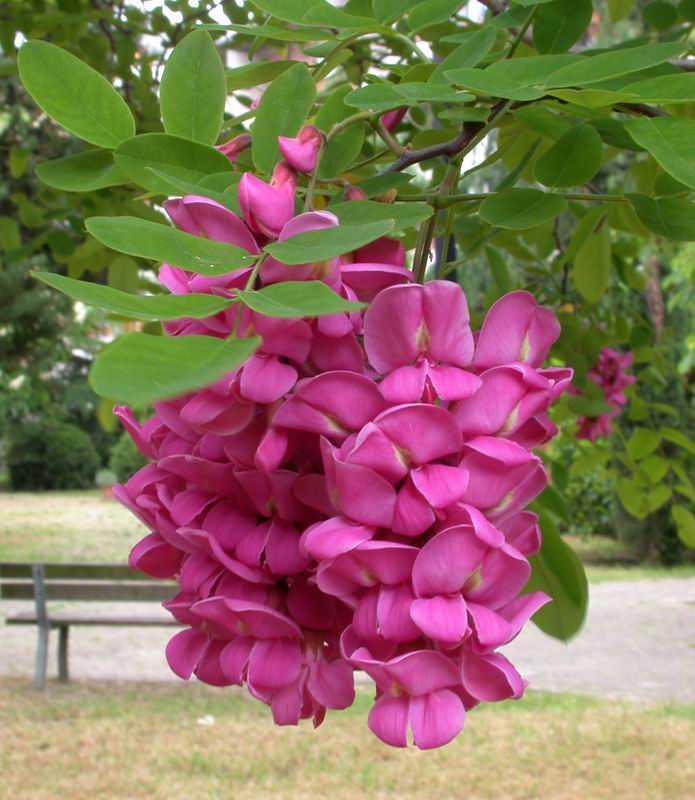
98	583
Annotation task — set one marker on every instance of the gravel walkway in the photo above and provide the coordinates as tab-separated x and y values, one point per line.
639	643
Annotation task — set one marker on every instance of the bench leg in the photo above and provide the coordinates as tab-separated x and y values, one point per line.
41	658
63	632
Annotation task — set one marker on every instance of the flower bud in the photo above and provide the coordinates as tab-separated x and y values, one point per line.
389	196
301	151
355	193
234	146
391	119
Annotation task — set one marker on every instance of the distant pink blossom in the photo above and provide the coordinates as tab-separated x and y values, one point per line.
610	374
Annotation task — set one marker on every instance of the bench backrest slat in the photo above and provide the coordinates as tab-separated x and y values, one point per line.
89	590
83	582
114	572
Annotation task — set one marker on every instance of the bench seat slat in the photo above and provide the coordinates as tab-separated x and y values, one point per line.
59	618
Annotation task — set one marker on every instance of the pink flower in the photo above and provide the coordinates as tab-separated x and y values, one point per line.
301	151
420	339
268	208
353	495
416	691
515	329
610	374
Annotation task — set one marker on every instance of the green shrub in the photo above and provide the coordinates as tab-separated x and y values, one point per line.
46	454
125	459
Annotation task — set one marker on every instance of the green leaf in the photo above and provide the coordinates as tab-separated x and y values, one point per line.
558	25
283	109
376	97
431	93
542	121
152	307
642	443
297	299
660	15
287	10
657	496
306	248
591	98
139	368
389	11
676	88
671	217
139	237
84	172
174	155
469	53
344	148
671	142
513	17
518	209
553	501
585	406
123	274
685	524
378	184
178	186
402	215
614	63
557	571
632	497
532	70
619	9
484	82
500	269
431	12
18	161
10	237
572	160
656	468
251	75
328	15
686	8
74	95
591	268
678	438
270	32
193	89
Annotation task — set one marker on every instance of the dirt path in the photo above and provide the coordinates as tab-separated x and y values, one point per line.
639	643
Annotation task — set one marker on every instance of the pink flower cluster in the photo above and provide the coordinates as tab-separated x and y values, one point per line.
353	496
610	373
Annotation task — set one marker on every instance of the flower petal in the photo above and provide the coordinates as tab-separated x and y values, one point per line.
491	677
446	316
443	618
436	718
184	650
388	720
516	329
447	561
274	663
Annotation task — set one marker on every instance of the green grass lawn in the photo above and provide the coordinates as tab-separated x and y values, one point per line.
81	742
65	526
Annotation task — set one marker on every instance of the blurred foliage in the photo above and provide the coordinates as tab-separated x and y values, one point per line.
125	459
46	454
616	262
